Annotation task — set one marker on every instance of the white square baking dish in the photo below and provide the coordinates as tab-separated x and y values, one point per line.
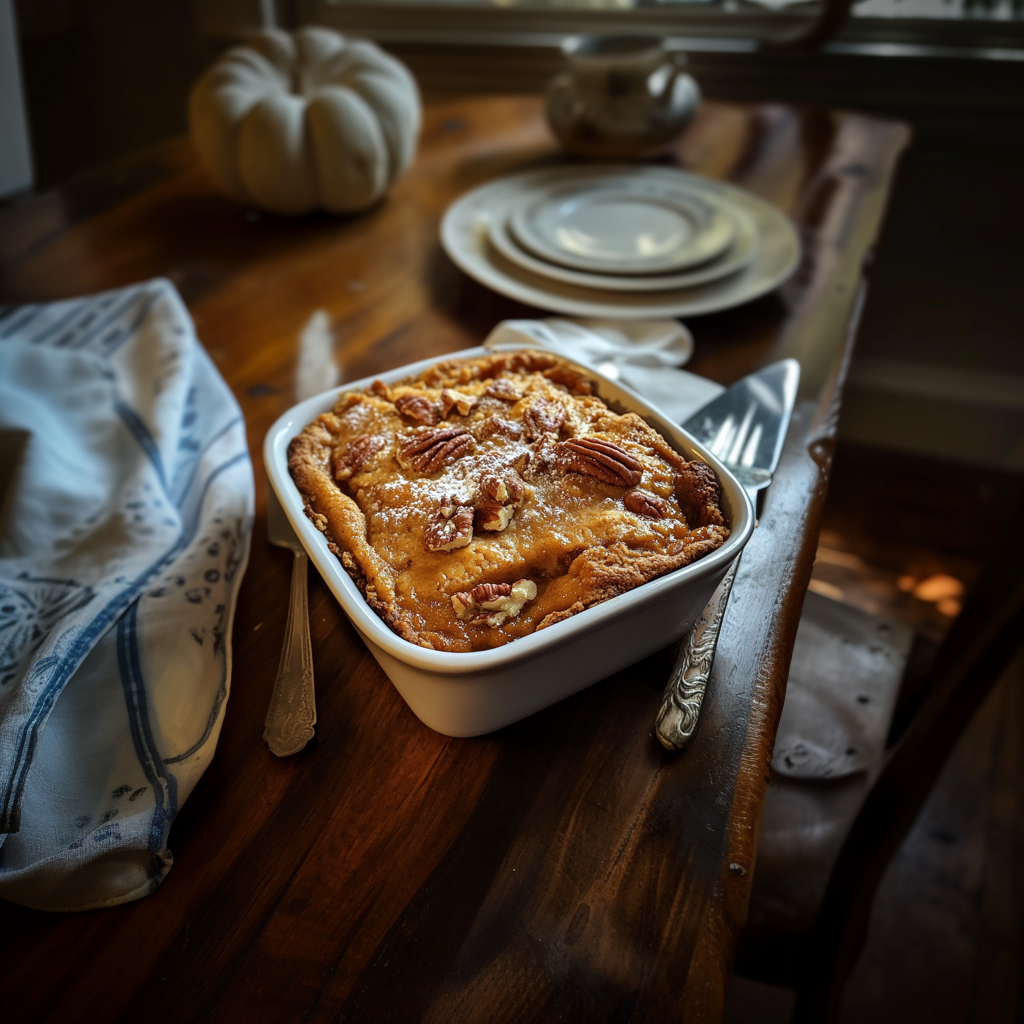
469	694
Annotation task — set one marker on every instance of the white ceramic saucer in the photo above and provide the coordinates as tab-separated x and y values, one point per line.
735	257
467	222
624	225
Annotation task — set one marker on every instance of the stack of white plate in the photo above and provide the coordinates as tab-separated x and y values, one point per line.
620	242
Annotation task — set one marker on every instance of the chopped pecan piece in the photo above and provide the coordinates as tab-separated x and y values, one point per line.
419	408
458	401
643	503
487	619
539	460
356	454
450	527
571	380
492	515
490	604
430	449
543	417
602	459
495	426
530	361
503	390
381	390
505	487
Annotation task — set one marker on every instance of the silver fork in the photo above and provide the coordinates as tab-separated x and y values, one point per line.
292	712
750	447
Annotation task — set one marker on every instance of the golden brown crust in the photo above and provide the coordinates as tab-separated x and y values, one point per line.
699	495
574	537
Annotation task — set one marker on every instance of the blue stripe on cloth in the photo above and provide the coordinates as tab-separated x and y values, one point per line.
58	324
193	526
92	311
218	700
194	464
66	339
140	432
30	314
165	786
104	323
113	341
64	666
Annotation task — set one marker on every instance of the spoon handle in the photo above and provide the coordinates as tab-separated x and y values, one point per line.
292	712
684	693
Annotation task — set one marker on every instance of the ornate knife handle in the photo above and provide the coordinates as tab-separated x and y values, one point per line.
684	694
292	712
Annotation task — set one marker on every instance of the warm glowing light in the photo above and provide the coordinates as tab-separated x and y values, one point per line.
938	588
906	583
949	607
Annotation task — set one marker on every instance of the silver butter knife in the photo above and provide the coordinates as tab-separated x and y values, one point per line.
292	712
745	427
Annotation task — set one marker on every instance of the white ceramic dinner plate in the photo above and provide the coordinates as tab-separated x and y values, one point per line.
623	225
466	226
742	250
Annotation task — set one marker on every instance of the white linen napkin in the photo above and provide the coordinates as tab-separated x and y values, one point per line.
126	507
644	354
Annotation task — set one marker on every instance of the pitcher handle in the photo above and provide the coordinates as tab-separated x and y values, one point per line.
826	23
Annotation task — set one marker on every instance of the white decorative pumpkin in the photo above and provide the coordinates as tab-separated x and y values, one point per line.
294	122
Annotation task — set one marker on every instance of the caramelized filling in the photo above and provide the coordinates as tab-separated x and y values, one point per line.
502	470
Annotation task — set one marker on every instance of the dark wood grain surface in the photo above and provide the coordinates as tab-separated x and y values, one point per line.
566	868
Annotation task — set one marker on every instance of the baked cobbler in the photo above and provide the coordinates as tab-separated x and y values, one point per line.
492	497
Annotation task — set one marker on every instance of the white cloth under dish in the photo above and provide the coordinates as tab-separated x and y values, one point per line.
643	354
126	507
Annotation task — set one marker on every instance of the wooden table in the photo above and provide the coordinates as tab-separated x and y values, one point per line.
566	868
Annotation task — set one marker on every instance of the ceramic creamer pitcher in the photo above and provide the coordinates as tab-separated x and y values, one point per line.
622	97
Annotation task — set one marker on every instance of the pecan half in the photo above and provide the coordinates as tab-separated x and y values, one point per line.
643	503
492	515
450	527
419	408
571	380
456	400
503	390
602	459
490	604
430	449
356	454
543	417
495	426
